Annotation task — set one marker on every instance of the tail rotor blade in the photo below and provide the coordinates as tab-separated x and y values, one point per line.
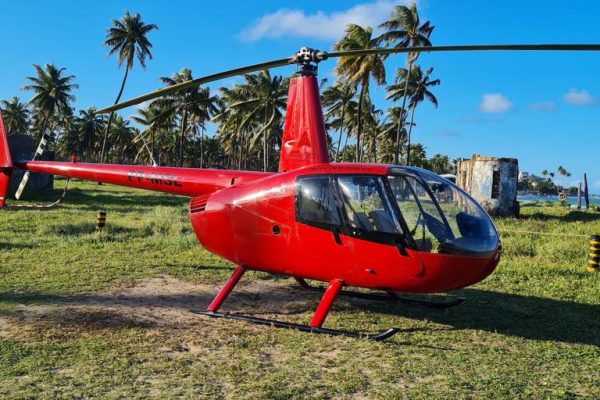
22	185
38	153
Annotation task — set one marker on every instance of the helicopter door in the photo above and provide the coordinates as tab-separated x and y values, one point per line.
375	231
319	226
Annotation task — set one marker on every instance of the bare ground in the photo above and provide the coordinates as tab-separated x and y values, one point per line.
164	302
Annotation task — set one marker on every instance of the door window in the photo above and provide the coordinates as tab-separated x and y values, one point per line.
315	202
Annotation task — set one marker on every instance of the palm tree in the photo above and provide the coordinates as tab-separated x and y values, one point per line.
148	118
128	39
404	28
359	70
562	171
394	117
230	131
374	124
89	125
336	99
52	94
121	139
414	84
187	105
262	99
15	115
209	107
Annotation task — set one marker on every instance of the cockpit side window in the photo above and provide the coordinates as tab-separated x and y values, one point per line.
366	203
315	201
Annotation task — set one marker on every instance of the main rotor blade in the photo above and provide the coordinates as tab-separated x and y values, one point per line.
320	56
197	82
485	47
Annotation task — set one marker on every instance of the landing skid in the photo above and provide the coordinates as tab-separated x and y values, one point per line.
304	328
391	297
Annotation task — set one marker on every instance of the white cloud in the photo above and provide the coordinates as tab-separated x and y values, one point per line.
320	25
495	103
578	97
548	106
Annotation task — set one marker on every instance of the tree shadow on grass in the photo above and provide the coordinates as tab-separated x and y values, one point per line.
527	317
572	216
15	246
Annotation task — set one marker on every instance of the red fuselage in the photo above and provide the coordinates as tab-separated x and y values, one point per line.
255	225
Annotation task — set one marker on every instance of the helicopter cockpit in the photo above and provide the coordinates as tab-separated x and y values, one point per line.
410	207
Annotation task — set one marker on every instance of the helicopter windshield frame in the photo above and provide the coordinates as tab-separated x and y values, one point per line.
471	232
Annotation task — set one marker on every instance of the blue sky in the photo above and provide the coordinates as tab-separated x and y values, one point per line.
541	108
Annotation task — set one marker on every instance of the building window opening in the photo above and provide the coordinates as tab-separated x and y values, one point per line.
496	185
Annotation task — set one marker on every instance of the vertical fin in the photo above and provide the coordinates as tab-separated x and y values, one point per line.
304	140
5	164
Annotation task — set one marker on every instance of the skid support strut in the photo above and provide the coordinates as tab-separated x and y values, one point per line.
326	302
315	325
226	290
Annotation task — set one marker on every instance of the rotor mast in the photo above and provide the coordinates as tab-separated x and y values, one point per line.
304	141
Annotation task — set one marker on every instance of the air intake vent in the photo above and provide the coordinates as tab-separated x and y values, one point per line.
198	204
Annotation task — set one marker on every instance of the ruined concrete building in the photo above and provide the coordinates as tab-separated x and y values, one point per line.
492	182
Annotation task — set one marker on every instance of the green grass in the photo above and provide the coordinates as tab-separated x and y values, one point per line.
531	330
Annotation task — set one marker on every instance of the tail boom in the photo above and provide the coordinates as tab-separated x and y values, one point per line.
182	181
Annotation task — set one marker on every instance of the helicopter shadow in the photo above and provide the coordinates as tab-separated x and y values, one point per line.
527	317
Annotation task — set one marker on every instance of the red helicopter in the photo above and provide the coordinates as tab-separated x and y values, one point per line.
391	228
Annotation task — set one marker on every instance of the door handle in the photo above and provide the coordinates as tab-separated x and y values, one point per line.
336	235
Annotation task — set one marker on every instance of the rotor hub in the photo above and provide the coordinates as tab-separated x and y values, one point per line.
308	59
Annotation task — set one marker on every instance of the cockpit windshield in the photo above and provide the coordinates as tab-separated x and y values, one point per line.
410	206
441	217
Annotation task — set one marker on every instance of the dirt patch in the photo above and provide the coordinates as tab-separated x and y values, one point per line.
163	302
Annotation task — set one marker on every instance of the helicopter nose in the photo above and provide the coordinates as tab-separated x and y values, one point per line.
444	272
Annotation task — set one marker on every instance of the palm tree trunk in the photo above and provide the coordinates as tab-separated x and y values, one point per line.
359	122
401	124
152	138
337	150
247	149
412	115
201	148
182	137
375	144
265	144
112	114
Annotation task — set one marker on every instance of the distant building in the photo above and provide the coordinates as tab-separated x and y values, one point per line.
492	182
523	175
532	177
